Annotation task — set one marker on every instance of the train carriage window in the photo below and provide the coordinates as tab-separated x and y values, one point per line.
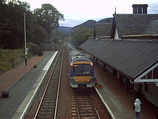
82	70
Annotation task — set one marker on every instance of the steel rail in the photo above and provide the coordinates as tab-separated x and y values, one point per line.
46	87
95	108
92	104
56	105
77	107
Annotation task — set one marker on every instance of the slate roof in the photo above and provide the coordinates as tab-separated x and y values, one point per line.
102	29
129	57
135	24
152	27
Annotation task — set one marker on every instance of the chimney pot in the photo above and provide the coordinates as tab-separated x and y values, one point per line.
140	8
134	8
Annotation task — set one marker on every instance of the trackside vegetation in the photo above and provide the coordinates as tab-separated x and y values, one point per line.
80	35
39	36
39	24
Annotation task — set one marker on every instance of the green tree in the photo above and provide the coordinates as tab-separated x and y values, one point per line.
39	24
57	36
39	34
56	40
48	17
81	34
12	22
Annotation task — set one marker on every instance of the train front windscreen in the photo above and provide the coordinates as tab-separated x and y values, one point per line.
81	69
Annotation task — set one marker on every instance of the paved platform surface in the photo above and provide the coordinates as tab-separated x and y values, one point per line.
19	87
119	103
114	95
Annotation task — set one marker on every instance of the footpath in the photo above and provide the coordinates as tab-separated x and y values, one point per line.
19	82
8	78
118	101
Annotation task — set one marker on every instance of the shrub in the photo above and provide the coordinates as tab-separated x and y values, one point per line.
33	48
40	52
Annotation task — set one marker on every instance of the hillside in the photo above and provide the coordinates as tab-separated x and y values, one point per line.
106	20
89	24
64	30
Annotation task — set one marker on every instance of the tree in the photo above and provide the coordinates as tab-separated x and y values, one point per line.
39	24
48	17
45	20
12	22
39	34
56	36
81	34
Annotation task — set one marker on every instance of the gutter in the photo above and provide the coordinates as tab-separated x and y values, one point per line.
145	81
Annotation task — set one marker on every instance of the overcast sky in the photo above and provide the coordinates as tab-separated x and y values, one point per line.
78	11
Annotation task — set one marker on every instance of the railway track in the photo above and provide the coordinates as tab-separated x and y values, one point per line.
65	103
88	105
48	105
46	100
84	105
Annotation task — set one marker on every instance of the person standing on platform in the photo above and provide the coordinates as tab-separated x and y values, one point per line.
137	108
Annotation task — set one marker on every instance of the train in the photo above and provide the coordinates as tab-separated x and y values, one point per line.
81	71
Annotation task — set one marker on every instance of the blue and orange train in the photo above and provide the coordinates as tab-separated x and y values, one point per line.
81	74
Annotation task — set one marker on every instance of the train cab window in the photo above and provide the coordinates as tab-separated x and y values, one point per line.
82	70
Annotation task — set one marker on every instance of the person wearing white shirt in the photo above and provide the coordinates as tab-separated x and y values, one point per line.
137	108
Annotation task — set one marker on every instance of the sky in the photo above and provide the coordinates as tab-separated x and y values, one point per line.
78	11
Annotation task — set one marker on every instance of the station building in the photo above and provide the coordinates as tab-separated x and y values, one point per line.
129	50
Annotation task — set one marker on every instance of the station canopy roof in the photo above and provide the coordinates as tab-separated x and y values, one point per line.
131	58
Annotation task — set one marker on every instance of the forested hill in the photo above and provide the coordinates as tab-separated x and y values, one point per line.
89	24
106	20
64	29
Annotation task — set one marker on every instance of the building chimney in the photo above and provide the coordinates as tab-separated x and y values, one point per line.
139	8
145	6
134	8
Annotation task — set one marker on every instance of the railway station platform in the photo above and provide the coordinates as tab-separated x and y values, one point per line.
117	101
22	83
119	104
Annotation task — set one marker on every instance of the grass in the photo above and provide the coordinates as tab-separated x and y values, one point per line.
11	58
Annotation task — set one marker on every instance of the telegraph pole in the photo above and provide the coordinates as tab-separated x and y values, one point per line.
25	40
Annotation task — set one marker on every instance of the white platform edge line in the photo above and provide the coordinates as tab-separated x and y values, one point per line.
45	71
106	105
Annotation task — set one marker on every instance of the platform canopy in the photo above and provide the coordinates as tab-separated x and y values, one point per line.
134	58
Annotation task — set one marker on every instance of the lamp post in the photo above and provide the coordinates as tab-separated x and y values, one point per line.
25	40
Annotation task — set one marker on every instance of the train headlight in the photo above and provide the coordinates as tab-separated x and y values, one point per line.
72	80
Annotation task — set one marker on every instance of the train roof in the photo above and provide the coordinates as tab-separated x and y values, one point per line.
82	59
74	53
